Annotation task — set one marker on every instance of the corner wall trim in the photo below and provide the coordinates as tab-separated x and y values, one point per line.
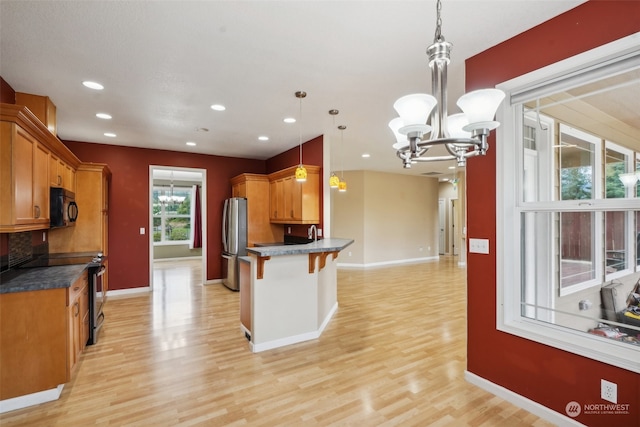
522	402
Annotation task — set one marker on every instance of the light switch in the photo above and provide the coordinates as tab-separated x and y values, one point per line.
479	246
142	230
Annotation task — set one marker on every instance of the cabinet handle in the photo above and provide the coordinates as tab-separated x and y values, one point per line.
77	309
76	288
59	180
37	209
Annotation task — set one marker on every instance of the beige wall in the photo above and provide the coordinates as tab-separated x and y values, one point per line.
393	218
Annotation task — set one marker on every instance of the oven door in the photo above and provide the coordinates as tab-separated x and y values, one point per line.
98	298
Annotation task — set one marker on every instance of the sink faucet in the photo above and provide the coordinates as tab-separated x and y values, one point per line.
313	231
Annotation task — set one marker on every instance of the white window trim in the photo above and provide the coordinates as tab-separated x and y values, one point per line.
509	319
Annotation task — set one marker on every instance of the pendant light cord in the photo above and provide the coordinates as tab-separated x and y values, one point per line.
300	129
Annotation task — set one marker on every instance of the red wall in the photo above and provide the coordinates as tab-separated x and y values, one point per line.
129	199
543	374
129	203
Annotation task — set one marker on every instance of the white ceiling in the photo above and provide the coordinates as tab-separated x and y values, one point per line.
164	63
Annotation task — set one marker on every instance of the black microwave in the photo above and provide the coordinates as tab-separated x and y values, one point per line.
63	208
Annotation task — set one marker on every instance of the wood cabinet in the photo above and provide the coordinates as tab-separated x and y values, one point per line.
61	174
42	107
24	180
293	202
26	149
255	188
245	295
33	341
77	321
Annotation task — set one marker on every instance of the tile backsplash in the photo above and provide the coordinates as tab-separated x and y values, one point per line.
22	247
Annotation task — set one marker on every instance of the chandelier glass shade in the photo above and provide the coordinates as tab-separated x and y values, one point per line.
629	179
423	121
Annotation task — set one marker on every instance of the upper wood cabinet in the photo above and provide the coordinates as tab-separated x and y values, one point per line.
293	202
91	232
26	149
255	188
42	107
61	174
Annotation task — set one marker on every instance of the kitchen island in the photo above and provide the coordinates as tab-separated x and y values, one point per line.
288	293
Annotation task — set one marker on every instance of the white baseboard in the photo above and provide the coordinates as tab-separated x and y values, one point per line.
212	282
385	263
269	345
522	402
30	399
131	292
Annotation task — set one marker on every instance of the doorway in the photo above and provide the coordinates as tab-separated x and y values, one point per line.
175	194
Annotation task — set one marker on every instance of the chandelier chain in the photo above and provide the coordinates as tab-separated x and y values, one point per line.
438	35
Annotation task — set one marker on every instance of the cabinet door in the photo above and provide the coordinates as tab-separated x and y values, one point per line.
55	177
73	334
23	146
68	178
41	194
273	200
289	188
239	190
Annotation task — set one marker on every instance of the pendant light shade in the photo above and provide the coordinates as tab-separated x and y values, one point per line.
628	179
480	107
342	186
334	181
413	111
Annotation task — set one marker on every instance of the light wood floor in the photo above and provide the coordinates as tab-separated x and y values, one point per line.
393	355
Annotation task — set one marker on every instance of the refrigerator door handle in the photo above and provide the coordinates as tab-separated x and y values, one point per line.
224	225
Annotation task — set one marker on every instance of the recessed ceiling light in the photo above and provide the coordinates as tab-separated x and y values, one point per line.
93	85
218	107
103	116
110	134
263	138
452	167
289	120
191	143
366	155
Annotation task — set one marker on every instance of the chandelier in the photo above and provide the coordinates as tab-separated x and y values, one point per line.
169	199
422	126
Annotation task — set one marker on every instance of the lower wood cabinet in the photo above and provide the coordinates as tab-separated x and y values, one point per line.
42	334
33	341
77	321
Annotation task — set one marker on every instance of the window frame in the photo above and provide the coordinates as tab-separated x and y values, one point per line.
509	202
164	216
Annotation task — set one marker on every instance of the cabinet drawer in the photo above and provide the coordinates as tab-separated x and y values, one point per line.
77	288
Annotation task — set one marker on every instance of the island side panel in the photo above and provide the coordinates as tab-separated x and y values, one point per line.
327	291
284	300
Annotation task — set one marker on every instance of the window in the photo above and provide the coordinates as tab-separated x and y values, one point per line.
569	136
171	214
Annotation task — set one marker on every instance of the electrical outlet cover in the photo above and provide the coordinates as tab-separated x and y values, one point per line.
609	391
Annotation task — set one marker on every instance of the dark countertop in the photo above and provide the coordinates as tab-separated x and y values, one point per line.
323	245
40	278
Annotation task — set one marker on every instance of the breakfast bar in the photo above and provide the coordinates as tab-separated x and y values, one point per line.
288	293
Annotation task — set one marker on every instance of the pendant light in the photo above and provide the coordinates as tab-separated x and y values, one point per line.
342	185
334	181
301	171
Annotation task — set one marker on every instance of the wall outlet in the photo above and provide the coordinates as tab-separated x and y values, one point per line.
349	253
319	232
288	230
609	391
142	230
44	236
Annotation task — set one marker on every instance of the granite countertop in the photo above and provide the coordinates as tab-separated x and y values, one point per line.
40	278
323	245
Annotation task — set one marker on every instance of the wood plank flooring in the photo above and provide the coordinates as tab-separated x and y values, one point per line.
393	355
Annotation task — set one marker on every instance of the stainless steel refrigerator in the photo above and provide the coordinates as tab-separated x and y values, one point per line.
234	239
